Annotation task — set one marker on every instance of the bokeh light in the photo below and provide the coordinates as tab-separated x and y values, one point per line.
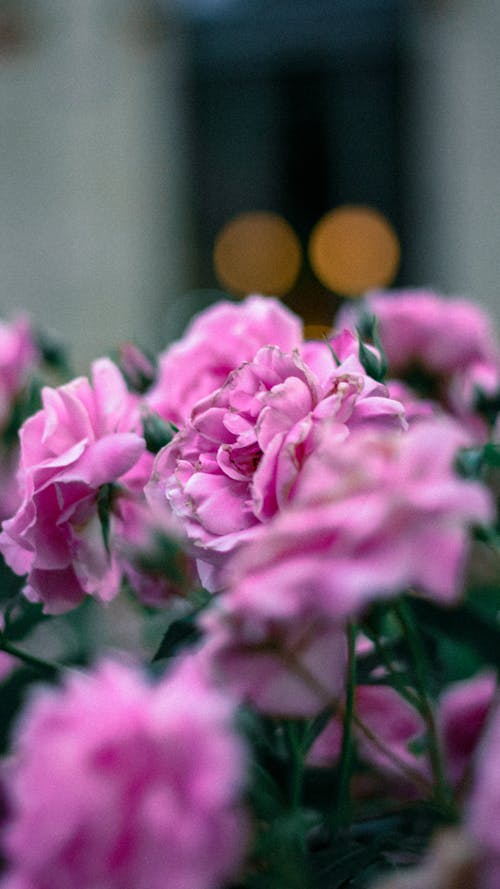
257	252
353	249
317	331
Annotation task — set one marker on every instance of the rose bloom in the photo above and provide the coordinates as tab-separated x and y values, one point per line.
445	346
117	783
388	716
216	342
483	807
18	356
462	714
238	460
283	666
372	515
87	435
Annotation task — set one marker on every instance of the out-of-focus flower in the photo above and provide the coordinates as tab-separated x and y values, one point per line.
441	334
462	713
216	342
283	665
372	515
446	348
18	356
116	783
85	437
483	808
391	719
238	460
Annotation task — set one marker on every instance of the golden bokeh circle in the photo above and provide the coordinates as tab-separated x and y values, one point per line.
317	331
257	252
353	249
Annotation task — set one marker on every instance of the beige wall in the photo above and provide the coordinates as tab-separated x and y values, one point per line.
92	180
454	137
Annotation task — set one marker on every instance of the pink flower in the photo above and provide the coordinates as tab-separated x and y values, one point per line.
18	356
238	460
394	722
275	657
86	436
372	515
483	808
462	714
439	333
117	783
446	345
216	342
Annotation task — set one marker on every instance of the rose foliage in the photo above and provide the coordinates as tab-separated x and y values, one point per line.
249	605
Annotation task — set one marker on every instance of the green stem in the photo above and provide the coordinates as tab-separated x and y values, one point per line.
343	791
30	659
404	689
297	771
442	790
328	701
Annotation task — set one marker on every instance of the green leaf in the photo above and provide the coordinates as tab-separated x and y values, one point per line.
464	624
181	633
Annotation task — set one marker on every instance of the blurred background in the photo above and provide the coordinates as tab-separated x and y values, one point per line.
133	133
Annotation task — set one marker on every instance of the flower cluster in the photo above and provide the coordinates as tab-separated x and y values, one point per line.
306	533
137	785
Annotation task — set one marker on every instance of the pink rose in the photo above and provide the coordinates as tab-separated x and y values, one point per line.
393	721
86	436
441	334
118	783
372	515
238	460
276	657
216	342
483	807
445	347
18	356
462	714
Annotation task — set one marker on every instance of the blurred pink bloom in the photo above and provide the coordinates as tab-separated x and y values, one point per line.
483	809
87	435
117	783
238	460
372	515
275	657
18	356
9	484
216	342
388	716
449	343
442	334
462	713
